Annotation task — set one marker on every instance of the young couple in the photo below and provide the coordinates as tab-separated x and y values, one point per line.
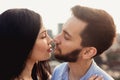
25	46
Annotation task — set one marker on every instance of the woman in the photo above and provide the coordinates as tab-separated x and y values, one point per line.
24	46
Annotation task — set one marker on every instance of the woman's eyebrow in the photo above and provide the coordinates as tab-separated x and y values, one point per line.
43	31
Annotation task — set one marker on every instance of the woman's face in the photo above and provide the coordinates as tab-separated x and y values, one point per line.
42	48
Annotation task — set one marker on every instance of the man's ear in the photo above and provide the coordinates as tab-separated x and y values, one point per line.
89	52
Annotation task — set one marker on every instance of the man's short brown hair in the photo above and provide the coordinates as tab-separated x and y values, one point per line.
100	31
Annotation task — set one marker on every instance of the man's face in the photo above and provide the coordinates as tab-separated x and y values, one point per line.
68	42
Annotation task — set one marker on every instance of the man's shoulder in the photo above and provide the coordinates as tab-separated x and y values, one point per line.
100	72
103	73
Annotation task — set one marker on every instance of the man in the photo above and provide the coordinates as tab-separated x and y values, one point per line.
86	34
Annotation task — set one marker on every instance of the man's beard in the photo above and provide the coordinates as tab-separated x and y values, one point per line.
68	57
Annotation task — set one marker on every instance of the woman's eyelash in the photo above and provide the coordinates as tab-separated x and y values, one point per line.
43	36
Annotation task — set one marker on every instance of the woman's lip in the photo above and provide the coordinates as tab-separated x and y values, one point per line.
50	50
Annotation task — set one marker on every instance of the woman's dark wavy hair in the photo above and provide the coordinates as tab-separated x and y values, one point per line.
18	31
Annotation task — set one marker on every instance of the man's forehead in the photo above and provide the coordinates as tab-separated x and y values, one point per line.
74	25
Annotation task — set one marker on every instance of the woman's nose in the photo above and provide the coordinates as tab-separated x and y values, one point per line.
49	39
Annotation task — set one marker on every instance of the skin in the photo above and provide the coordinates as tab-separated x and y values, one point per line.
70	40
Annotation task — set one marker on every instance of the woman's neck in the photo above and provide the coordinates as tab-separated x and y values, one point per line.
26	73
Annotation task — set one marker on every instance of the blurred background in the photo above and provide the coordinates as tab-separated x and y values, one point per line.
56	12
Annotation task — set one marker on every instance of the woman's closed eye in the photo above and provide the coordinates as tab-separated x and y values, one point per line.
43	35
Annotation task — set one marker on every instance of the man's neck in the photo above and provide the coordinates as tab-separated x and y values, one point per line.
78	69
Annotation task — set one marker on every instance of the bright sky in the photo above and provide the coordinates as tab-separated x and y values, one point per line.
58	11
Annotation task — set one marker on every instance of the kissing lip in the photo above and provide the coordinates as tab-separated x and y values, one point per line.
50	49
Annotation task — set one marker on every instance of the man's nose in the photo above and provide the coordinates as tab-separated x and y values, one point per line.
57	40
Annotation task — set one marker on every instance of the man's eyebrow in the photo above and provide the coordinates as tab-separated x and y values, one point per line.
67	33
